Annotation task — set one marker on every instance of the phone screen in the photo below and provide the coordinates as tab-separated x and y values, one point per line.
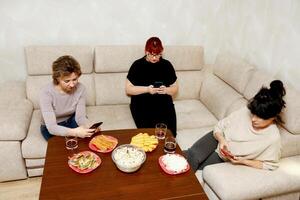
157	84
96	125
227	154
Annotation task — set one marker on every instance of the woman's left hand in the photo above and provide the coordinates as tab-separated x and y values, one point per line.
236	160
162	90
251	163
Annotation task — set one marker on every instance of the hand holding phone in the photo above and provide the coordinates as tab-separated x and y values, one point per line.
96	125
227	153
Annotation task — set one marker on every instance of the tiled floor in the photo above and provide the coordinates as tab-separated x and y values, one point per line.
28	189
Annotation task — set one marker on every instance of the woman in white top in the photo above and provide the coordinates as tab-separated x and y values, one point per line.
248	136
62	101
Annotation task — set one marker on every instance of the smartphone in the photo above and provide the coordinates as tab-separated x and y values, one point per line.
157	84
96	125
227	153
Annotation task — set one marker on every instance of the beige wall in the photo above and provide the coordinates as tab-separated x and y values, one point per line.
265	32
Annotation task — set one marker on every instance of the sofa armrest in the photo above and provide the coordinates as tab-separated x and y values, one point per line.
15	111
241	182
15	118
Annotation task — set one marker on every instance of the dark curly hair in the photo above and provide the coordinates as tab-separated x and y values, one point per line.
64	66
268	103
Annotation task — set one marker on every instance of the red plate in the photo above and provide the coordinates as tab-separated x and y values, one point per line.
87	170
164	166
94	147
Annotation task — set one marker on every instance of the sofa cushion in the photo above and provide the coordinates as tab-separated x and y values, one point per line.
187	137
211	195
35	162
236	105
242	182
290	143
185	57
40	58
182	57
116	58
88	80
12	165
234	71
289	196
35	172
193	114
15	119
35	83
217	96
189	84
258	79
112	116
199	177
11	91
34	145
110	89
291	114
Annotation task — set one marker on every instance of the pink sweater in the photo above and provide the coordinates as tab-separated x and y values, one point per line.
57	107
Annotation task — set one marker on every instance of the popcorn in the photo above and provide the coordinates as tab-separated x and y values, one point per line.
128	157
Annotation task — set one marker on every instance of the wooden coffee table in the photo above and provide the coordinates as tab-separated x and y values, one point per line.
107	182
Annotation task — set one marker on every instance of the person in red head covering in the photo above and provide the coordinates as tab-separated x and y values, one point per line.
151	83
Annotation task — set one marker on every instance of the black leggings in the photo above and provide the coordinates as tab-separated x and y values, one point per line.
202	152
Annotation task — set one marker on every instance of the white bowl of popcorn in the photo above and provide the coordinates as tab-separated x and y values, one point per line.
128	158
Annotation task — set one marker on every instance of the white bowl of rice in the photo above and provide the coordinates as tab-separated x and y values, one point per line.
128	158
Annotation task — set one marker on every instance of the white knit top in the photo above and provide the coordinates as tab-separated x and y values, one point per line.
244	141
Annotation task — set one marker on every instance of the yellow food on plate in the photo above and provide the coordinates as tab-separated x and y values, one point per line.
103	143
145	141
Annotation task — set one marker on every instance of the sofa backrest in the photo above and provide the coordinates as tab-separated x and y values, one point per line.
290	130
12	90
113	62
235	71
233	83
105	69
39	68
40	58
222	89
188	62
243	81
291	114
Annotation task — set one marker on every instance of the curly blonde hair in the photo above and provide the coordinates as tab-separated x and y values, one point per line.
64	66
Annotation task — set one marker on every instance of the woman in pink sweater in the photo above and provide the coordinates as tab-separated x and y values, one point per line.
248	136
62	101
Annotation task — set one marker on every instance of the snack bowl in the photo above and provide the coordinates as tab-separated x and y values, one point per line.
128	158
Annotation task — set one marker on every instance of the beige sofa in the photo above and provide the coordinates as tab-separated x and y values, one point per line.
15	116
206	94
229	86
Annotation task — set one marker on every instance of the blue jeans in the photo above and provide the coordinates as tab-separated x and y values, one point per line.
70	123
